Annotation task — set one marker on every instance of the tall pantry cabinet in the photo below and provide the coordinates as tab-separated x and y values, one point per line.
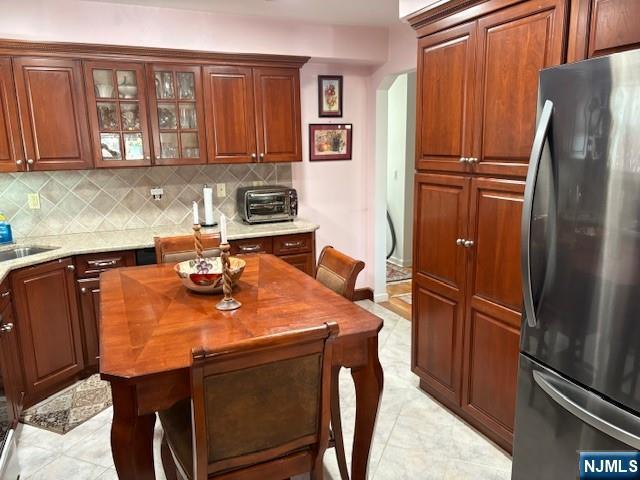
476	103
478	65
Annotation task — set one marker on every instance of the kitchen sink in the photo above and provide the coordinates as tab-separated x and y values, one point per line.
19	252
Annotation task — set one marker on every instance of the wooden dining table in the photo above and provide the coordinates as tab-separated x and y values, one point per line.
150	322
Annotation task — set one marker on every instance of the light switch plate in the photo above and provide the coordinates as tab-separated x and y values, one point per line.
33	200
157	192
221	190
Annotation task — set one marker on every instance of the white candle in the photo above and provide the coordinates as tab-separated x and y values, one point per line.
196	216
208	205
223	228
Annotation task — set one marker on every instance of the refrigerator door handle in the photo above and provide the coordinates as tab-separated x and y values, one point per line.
575	400
527	209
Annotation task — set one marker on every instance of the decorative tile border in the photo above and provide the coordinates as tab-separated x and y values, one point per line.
118	199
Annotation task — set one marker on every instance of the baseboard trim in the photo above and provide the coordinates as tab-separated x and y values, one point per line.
362	294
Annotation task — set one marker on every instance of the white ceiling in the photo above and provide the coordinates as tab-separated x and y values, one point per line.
342	12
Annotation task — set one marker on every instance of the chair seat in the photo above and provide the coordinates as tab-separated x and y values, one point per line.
176	423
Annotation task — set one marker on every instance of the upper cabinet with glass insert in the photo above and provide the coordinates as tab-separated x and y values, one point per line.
118	113
177	114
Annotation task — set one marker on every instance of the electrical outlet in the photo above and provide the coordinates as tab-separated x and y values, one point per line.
33	200
221	190
157	193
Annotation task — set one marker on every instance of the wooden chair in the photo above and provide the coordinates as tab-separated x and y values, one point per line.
181	248
338	272
259	409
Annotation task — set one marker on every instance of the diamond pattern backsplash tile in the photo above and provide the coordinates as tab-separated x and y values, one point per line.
119	199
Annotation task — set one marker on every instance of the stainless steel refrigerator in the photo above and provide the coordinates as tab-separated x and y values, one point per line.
579	373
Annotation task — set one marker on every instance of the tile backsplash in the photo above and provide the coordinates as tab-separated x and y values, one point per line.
119	199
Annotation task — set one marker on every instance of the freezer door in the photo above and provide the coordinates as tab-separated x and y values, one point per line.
581	234
556	419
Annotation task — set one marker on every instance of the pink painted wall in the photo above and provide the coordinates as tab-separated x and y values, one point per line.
95	22
336	195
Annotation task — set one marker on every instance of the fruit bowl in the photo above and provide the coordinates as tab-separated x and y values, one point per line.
205	275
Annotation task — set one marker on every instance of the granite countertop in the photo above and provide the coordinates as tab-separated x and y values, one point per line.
95	242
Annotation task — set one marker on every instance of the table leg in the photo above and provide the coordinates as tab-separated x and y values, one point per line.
368	381
131	436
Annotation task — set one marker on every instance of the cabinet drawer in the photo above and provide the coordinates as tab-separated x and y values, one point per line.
302	261
290	244
5	294
252	245
93	264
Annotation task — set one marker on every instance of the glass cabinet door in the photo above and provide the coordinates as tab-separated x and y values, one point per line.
177	114
118	113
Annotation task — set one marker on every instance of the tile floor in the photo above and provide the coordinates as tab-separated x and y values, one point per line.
415	437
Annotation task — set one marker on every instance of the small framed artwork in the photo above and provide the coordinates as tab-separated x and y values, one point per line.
330	141
330	95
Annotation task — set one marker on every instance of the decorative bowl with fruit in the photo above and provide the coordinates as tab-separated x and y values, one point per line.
204	275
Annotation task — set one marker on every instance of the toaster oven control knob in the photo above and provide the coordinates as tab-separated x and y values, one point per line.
293	202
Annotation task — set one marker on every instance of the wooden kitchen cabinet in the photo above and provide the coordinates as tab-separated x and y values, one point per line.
601	27
277	96
88	270
298	249
478	67
477	95
253	114
11	153
441	204
444	99
493	304
117	102
48	326
176	104
89	294
231	120
10	365
514	44
53	114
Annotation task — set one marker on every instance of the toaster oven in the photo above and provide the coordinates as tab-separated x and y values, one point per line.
269	203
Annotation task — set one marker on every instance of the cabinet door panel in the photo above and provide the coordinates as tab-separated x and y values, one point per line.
10	140
513	46
440	219
444	98
13	382
229	103
117	100
53	114
277	92
614	26
438	282
48	325
176	91
89	289
494	298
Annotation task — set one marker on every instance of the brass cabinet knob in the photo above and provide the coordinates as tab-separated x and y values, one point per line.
83	290
19	161
30	161
463	160
253	155
460	241
468	243
71	268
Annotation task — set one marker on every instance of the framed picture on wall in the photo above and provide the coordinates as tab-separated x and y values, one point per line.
330	95
330	141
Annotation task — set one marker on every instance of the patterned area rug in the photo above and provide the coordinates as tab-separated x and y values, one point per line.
71	407
396	273
405	297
